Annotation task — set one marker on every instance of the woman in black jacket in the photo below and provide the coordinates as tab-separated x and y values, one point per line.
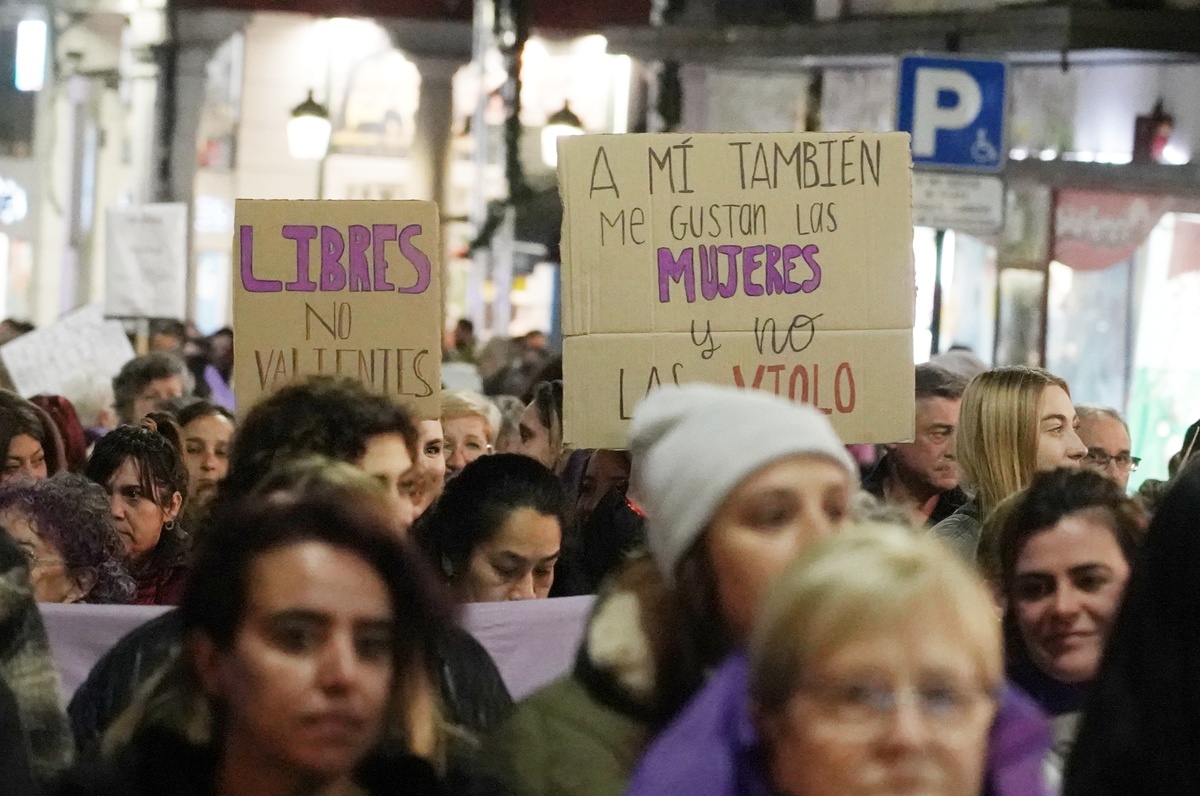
309	628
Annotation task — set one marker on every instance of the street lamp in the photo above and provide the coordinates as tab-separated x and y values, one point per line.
562	122
308	130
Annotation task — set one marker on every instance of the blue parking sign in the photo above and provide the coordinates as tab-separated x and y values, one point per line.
954	110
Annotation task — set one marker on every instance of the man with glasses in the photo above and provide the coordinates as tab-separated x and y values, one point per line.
1107	439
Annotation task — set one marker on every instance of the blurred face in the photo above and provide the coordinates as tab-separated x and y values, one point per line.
465	441
26	458
1058	442
1107	440
307	681
606	470
517	563
52	581
928	460
1068	585
137	516
206	454
431	463
903	711
150	397
535	438
386	459
764	523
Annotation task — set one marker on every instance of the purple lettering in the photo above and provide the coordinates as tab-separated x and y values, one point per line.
249	281
810	256
303	234
774	276
790	252
750	264
673	270
729	287
333	246
417	258
360	269
381	234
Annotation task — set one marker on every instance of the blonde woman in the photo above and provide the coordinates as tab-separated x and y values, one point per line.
470	423
1014	421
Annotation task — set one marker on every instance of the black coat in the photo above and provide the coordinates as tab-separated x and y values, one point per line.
473	694
160	763
16	778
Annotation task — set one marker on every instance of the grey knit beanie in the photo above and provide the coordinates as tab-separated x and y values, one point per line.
693	445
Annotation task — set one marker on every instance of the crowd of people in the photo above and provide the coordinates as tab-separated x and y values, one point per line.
981	610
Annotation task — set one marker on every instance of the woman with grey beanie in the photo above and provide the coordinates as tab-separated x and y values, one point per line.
734	484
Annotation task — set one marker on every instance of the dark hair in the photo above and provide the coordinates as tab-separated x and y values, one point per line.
70	430
933	381
215	599
72	513
155	453
477	502
547	400
1053	495
332	417
17	417
199	408
1050	497
1140	732
140	371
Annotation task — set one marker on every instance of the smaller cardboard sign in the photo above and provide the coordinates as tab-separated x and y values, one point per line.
146	262
348	288
973	204
76	357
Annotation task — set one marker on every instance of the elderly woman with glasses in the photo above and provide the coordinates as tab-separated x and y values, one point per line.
470	423
875	667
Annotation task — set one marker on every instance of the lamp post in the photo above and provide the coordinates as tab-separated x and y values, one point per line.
308	130
562	122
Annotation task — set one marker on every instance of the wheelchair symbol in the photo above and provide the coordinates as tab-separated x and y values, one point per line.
983	151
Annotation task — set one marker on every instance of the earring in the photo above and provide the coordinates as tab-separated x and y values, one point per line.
447	566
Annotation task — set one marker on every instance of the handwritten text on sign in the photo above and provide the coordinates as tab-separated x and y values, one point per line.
339	288
777	262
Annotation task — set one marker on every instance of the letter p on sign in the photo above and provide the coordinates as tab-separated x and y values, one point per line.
954	110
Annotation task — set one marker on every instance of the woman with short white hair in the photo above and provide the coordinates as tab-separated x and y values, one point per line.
470	423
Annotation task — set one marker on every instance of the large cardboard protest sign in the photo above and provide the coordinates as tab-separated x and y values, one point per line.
780	262
338	288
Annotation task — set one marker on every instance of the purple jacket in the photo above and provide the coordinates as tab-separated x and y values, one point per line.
711	749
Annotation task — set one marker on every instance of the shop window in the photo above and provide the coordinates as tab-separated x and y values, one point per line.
1165	391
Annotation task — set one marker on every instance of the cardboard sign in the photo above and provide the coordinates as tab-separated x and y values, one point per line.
780	262
76	357
338	288
146	262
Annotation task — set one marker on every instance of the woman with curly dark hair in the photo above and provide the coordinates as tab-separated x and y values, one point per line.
143	472
62	526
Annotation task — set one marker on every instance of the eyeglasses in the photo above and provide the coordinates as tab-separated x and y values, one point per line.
1101	458
863	708
472	450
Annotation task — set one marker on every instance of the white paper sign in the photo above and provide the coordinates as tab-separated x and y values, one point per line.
146	262
74	357
973	204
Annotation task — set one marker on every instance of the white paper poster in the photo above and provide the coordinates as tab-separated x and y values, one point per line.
75	357
146	262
